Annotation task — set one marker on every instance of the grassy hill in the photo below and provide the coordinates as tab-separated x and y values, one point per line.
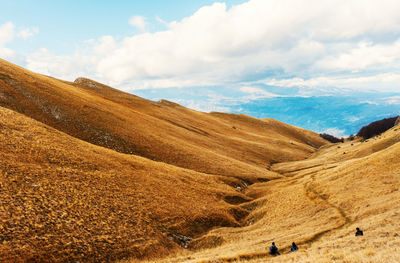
318	204
215	143
92	174
65	199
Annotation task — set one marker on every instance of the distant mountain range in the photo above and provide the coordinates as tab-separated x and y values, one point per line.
334	111
338	115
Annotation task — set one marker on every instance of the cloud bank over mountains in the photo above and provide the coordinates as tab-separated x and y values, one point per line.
334	43
347	42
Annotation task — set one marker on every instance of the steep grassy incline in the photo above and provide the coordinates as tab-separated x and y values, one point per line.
62	199
223	144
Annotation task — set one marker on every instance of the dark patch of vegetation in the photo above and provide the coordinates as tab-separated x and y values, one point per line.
331	138
376	128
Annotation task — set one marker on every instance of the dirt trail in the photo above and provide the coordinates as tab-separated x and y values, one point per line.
310	193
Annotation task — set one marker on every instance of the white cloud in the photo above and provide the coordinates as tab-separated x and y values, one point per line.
204	106
393	100
6	35
258	92
162	21
6	32
382	82
217	45
369	102
28	32
353	118
6	53
139	22
334	131
106	44
352	43
64	67
364	55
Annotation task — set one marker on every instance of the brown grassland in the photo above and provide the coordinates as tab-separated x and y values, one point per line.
89	173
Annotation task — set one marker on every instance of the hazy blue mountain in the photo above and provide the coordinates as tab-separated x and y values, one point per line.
339	115
338	112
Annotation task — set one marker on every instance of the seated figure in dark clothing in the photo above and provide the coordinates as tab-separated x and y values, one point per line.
294	247
359	232
273	250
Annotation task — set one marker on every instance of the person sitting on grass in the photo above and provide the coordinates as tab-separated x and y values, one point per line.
359	232
273	250
294	247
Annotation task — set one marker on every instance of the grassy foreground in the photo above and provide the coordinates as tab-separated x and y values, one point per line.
318	204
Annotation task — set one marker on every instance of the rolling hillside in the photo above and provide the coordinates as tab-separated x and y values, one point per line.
65	199
214	143
318	204
92	174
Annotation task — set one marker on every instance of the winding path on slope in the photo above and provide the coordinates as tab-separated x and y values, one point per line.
308	174
310	193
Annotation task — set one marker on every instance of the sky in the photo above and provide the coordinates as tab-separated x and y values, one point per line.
221	55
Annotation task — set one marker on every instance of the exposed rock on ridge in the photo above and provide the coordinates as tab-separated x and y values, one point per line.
90	83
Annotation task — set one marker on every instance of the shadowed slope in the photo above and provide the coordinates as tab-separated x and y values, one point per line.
223	144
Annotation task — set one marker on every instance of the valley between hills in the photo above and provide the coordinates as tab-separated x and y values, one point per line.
92	174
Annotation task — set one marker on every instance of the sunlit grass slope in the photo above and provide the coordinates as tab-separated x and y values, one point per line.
223	144
318	205
63	199
89	173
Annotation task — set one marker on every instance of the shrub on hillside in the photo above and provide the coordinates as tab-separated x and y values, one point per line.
331	138
376	128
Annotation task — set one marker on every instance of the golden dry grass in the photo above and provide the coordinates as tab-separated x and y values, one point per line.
90	173
318	205
222	144
64	199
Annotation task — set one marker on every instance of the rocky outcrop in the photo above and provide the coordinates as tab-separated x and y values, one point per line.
90	83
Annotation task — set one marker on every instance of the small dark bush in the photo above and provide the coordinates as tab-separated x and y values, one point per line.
376	128
331	138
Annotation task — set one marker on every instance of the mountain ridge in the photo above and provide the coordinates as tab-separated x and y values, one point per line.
147	128
95	174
